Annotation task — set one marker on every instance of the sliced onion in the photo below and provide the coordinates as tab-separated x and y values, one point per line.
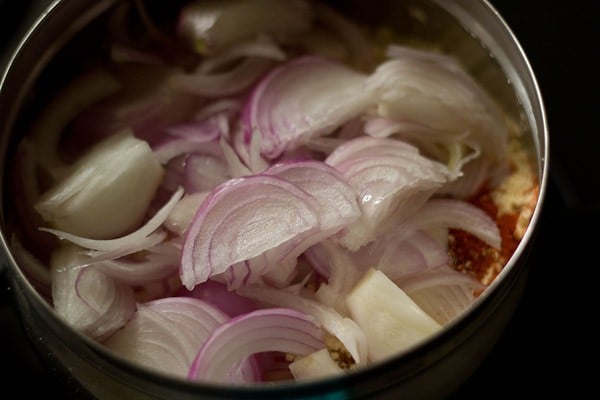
316	256
204	172
183	213
304	98
397	256
273	329
235	164
345	329
391	320
128	248
457	214
272	212
434	90
160	262
344	272
368	146
225	300
166	334
229	106
127	241
192	137
337	200
453	150
225	83
244	158
474	175
336	207
261	47
87	299
391	179
212	25
443	292
107	191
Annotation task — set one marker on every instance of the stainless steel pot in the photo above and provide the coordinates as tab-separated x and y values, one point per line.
470	29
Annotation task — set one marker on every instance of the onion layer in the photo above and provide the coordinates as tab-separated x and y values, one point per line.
277	329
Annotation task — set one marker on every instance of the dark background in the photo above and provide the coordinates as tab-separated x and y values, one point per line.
550	346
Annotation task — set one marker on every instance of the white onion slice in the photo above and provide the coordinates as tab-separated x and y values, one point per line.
391	320
129	248
236	166
271	329
107	191
301	99
126	241
159	263
204	172
183	213
434	90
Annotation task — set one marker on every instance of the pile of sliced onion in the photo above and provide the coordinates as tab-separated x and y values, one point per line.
267	206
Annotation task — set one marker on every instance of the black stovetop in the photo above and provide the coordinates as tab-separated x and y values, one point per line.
552	336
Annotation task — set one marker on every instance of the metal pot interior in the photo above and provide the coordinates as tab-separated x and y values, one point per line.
63	39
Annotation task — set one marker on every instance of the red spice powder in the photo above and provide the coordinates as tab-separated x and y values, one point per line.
473	256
